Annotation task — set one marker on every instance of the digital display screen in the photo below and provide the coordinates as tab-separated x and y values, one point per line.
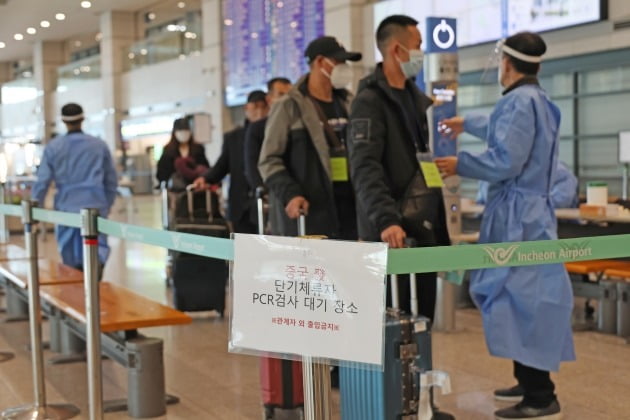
482	21
264	39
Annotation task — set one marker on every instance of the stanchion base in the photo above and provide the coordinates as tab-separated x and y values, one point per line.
48	412
69	358
5	356
16	318
45	346
113	406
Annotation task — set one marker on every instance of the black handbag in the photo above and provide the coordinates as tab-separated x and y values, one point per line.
420	210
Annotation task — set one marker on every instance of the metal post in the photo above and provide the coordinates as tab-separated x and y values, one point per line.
164	192
89	231
4	233
39	410
624	182
445	305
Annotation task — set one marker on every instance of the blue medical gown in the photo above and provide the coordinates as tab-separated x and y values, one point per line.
83	171
526	310
564	189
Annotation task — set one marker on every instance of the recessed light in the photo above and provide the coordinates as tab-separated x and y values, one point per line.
31	31
151	16
60	16
2	44
44	24
86	4
18	37
181	4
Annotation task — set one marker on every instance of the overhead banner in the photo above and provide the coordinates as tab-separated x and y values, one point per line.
306	297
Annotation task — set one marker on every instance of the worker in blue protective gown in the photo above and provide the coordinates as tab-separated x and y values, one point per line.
526	310
564	189
82	169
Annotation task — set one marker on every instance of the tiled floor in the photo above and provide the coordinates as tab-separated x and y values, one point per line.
213	384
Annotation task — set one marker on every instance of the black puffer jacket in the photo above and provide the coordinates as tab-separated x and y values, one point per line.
383	156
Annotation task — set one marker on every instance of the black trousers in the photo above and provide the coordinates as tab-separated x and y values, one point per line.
537	384
426	285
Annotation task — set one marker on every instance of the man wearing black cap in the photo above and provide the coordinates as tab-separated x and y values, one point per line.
303	158
241	206
83	171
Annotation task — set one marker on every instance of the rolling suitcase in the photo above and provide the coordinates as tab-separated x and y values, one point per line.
393	393
199	282
280	380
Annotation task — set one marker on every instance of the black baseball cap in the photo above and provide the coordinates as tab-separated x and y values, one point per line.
328	46
256	96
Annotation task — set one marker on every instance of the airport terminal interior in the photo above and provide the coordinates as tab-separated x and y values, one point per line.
143	70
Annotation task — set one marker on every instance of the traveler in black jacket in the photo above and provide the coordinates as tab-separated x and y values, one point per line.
255	133
182	151
241	207
305	131
388	132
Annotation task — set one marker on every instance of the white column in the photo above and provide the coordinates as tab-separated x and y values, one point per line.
47	57
346	21
212	67
118	32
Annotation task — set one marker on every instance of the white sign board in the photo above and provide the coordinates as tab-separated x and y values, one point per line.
624	147
308	297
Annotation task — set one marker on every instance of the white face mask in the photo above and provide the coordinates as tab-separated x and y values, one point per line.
182	136
412	67
341	75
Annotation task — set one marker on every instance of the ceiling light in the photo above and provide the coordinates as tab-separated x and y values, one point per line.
31	31
44	24
131	56
2	44
18	37
151	16
86	4
60	16
181	4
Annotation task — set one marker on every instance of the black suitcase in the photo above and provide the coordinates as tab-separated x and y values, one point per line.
199	283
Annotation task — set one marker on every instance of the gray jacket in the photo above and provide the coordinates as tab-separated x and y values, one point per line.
295	161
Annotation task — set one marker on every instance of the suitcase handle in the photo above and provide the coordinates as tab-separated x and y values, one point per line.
413	289
190	189
260	193
302	224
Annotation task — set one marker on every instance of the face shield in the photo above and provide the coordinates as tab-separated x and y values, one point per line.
494	60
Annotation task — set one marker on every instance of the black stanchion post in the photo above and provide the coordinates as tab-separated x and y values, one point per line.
89	232
39	410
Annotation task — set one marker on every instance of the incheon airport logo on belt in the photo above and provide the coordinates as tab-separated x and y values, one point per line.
514	254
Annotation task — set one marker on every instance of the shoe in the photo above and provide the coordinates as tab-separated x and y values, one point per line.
514	394
525	412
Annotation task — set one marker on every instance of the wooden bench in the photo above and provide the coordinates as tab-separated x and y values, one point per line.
597	284
14	276
122	314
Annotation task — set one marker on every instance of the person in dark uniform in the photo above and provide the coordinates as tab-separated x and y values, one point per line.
241	207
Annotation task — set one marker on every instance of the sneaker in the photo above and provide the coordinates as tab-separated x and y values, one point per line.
525	412
514	394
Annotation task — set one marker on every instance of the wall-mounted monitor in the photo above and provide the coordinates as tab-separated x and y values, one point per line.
264	39
489	20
